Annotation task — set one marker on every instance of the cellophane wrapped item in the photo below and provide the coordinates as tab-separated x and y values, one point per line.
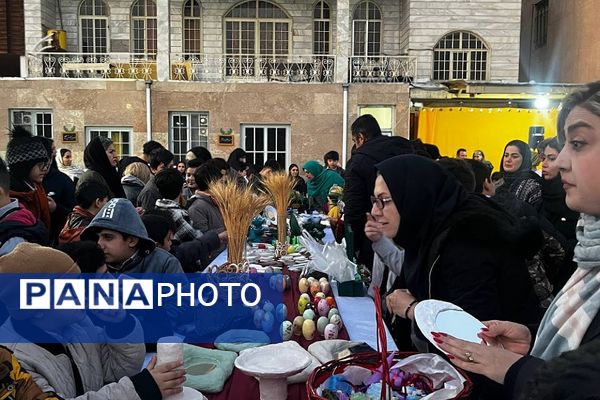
330	259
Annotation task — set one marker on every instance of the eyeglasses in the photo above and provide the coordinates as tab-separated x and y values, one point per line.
380	201
44	165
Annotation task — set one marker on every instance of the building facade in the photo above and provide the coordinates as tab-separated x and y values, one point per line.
282	79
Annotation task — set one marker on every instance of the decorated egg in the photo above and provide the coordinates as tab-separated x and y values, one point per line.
281	312
291	249
322	322
333	311
279	283
308	329
323	308
268	306
308	314
258	317
314	288
320	295
310	280
268	322
303	285
331	332
273	282
269	270
305	296
252	270
323	279
337	321
330	301
325	287
302	303
297	325
286	330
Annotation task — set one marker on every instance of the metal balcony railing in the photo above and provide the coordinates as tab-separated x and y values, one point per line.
86	65
383	69
249	68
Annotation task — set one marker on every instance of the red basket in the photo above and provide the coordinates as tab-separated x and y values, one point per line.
372	361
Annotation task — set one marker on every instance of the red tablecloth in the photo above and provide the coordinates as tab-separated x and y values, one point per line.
243	387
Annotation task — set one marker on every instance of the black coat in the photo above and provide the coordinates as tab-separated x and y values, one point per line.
64	196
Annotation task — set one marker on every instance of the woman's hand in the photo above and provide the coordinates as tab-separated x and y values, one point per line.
169	377
398	301
373	229
510	335
51	204
490	361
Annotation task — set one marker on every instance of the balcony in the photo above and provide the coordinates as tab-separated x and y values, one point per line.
383	69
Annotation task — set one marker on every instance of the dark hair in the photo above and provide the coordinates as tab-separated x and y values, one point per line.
201	153
273	164
63	152
4	176
88	192
160	156
480	152
460	170
150	146
207	173
587	98
367	125
496	176
195	163
86	253
158	223
169	183
460	151
242	166
220	163
552	142
481	172
433	150
331	155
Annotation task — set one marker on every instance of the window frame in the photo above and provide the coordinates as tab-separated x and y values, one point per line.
328	32
367	22
265	152
145	18
111	130
184	29
367	109
467	52
189	140
33	124
541	10
94	18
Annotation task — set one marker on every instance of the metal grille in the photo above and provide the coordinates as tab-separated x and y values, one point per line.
366	30
460	55
93	26
192	27
540	23
187	130
321	28
143	27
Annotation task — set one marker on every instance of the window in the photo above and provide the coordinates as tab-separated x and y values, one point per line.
187	130
266	142
121	137
366	30
192	27
93	26
321	28
384	116
460	55
143	27
38	122
540	13
255	28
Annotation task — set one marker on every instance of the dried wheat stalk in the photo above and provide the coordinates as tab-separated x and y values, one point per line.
279	186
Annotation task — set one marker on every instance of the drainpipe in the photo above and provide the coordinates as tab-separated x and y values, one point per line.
148	110
345	124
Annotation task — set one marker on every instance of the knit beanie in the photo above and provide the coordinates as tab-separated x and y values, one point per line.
31	258
23	152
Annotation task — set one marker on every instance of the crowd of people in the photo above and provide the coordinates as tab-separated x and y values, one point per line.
517	249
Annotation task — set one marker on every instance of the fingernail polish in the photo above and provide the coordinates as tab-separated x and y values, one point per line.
485	329
435	334
438	340
443	334
450	356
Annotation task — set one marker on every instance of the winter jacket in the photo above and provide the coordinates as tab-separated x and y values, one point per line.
387	265
184	231
16	383
18	224
132	185
64	196
205	215
148	196
156	261
85	371
93	176
195	255
77	221
35	201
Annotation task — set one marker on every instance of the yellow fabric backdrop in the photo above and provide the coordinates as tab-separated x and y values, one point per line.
486	129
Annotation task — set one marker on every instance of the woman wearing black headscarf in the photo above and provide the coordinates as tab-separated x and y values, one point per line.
519	179
101	162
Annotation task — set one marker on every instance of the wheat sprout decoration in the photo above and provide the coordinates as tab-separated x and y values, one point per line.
279	186
238	205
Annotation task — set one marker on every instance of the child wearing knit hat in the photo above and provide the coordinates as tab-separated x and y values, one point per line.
28	161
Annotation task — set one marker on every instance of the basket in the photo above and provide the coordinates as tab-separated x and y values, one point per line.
371	360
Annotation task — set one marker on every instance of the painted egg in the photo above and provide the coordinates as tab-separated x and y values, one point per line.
258	317
273	282
303	285
323	279
322	322
297	325
308	314
320	295
314	288
268	306
302	303
308	329
291	249
315	302
252	270
331	332
268	322
281	312
269	270
323	308
337	321
305	296
286	330
279	283
330	301
310	280
325	287
332	312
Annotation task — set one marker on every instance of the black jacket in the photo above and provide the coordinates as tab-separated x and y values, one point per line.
194	255
64	196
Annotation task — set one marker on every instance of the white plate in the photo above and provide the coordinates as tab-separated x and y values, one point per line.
274	361
187	394
270	214
441	316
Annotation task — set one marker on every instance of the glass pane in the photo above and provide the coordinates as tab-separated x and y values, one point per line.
249	139
281	160
259	140
271	138
281	139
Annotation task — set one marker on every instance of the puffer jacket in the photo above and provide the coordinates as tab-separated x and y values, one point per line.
16	383
132	185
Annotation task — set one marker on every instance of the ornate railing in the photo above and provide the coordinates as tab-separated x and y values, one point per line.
222	68
82	65
375	69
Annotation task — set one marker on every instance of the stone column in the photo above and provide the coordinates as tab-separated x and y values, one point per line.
163	55
33	24
343	44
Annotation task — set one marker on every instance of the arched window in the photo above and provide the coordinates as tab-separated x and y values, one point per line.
321	28
366	30
93	26
460	55
143	27
192	27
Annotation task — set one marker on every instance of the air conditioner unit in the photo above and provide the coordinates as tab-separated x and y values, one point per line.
62	37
